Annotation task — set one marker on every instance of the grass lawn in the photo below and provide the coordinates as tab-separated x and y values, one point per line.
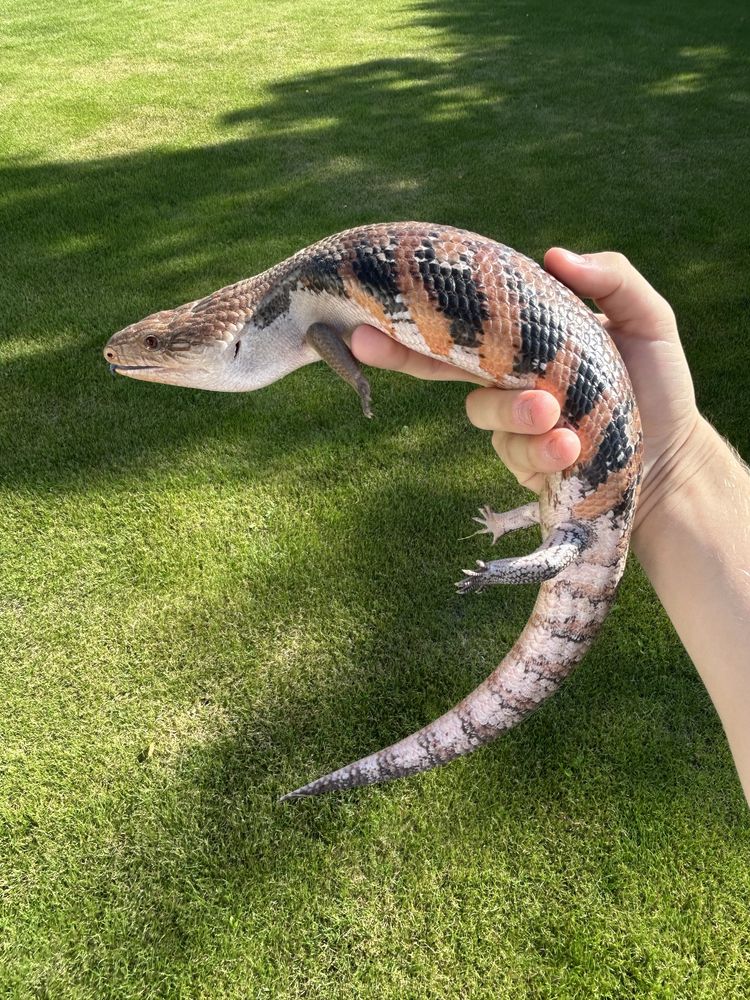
206	600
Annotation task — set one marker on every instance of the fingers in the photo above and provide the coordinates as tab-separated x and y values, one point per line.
530	457
525	436
629	301
373	347
523	421
525	411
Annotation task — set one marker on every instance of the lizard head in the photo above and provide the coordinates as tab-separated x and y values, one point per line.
189	346
214	343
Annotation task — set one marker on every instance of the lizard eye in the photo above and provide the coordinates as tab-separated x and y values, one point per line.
151	342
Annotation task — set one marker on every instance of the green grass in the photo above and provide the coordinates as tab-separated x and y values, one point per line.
206	600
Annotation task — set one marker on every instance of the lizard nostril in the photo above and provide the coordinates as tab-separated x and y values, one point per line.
109	355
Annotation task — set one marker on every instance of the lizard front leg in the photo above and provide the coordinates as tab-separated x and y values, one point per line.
499	524
336	354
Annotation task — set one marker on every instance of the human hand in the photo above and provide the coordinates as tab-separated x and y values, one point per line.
523	422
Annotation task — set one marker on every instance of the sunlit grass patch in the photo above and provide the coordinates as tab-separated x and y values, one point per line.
207	599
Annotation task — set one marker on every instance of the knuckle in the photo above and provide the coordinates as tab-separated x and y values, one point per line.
473	405
519	453
620	260
528	479
482	408
667	319
543	458
524	412
546	411
615	259
500	444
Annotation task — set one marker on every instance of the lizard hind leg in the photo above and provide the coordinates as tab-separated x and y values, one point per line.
562	546
499	524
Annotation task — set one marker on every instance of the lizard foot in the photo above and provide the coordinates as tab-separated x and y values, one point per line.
474	581
557	551
497	525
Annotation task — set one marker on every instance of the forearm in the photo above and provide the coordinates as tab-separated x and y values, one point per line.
704	584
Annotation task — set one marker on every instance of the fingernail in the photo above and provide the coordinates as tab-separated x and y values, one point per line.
525	414
574	258
553	451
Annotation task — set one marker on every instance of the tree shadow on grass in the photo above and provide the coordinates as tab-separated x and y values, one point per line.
498	133
530	124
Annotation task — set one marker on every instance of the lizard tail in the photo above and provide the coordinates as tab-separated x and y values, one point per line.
567	615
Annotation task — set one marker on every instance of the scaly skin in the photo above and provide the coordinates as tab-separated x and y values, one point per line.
461	298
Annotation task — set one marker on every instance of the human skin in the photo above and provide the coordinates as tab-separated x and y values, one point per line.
692	528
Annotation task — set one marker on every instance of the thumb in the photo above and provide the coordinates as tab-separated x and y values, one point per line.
630	303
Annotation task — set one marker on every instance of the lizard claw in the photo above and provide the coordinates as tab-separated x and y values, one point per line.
473	581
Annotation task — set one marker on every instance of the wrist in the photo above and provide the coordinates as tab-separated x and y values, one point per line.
677	479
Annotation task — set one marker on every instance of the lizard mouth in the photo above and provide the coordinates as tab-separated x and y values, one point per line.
132	368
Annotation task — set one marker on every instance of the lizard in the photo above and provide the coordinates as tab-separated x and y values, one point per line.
485	308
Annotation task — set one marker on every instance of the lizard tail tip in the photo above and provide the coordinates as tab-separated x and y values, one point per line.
289	797
298	793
